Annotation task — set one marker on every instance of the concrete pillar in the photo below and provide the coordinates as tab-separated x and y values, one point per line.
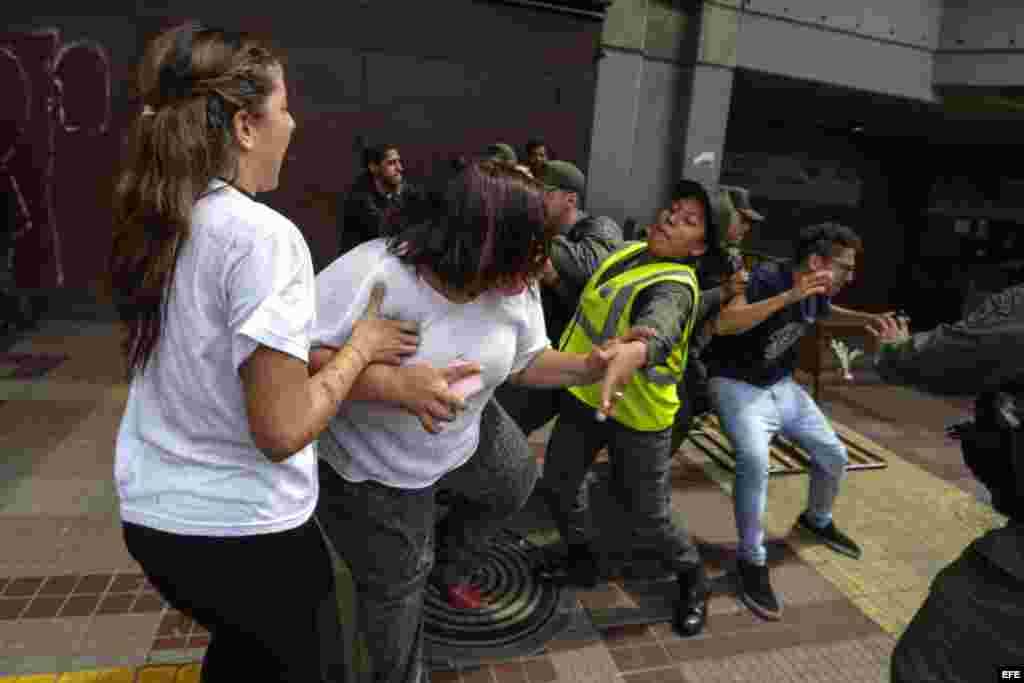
710	93
664	87
616	110
710	97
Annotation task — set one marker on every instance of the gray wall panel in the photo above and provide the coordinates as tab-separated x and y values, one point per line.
916	22
983	24
661	127
802	51
989	69
616	111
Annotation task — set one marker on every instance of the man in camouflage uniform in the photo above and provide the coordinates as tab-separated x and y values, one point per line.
970	624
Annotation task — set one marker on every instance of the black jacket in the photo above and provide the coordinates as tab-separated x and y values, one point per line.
971	620
576	254
368	214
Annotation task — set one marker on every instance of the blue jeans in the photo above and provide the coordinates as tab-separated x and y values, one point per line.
751	416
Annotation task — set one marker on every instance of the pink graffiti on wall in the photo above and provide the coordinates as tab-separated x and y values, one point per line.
55	88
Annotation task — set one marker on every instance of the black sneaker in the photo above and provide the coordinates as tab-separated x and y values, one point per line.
755	589
831	536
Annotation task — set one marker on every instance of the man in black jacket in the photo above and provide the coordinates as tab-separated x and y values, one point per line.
970	623
380	200
582	243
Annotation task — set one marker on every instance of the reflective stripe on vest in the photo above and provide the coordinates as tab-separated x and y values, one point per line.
650	400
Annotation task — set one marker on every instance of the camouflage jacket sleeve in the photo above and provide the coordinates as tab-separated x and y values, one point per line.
975	355
665	307
577	254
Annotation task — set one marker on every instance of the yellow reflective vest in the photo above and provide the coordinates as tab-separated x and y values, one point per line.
650	400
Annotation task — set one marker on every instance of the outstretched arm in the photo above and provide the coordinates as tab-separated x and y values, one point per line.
740	315
968	357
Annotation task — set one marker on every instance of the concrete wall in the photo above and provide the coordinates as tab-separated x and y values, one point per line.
882	46
641	107
647	118
981	44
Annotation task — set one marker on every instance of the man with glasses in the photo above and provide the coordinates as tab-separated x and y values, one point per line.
753	392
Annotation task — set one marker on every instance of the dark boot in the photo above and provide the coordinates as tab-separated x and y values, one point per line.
579	568
691	612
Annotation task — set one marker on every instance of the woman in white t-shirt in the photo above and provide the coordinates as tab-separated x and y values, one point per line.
215	466
468	279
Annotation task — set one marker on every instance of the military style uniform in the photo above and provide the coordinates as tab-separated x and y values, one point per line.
971	621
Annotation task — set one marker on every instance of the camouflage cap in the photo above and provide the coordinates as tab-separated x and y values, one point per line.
740	198
499	151
562	175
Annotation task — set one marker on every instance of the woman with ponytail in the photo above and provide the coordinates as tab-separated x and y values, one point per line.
215	466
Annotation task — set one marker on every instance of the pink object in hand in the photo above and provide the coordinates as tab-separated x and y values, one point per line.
467	386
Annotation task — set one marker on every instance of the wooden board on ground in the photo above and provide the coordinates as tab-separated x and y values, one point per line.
785	456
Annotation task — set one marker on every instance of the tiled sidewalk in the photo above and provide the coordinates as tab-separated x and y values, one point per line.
73	603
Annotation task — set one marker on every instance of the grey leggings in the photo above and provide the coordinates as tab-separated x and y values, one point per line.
386	535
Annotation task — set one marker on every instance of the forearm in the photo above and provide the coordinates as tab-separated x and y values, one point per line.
940	361
308	407
378	382
846	315
738	318
552	369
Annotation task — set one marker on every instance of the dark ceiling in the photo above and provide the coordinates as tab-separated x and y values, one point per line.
965	117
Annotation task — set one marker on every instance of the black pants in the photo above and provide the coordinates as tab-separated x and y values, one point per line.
268	600
968	625
696	400
641	479
530	408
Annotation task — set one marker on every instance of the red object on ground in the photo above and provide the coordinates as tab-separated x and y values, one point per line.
465	596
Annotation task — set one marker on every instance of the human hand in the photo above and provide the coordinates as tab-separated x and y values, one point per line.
549	276
890	329
427	392
380	340
601	355
633	334
735	285
625	360
809	284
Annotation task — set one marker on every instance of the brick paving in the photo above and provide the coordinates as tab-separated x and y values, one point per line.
75	607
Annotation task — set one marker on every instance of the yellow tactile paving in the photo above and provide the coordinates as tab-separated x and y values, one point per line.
188	674
116	676
906	519
157	674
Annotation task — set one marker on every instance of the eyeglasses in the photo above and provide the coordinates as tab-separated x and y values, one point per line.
844	267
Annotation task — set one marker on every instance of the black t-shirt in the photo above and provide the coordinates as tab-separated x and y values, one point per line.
767	353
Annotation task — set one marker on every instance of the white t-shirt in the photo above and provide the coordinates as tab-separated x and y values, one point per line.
382	442
185	459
